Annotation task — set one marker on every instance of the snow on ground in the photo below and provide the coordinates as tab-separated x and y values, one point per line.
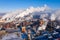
11	36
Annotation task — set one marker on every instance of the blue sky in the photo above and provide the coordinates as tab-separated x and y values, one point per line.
9	5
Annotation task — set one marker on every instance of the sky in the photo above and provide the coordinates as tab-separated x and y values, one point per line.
10	5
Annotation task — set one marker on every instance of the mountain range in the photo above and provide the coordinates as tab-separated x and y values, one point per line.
43	12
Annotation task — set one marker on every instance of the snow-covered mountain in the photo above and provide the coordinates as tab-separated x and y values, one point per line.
22	13
28	13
